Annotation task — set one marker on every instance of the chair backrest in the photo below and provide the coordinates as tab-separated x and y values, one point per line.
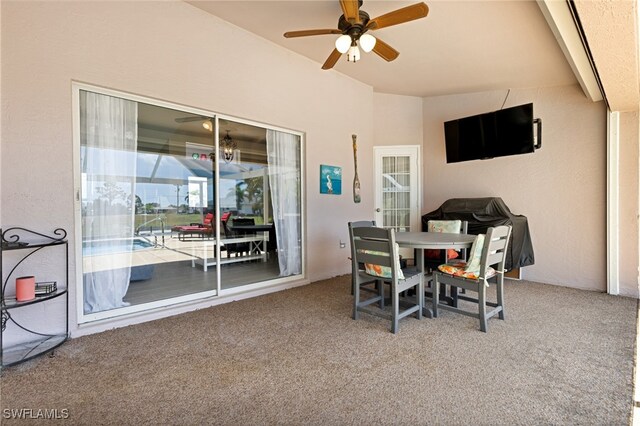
224	220
239	221
435	257
208	220
377	247
494	251
243	221
362	223
358	224
450	226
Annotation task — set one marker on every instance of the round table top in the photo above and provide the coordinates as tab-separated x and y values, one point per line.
434	240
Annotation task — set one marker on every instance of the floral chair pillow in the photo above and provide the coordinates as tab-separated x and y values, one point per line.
445	226
470	269
382	271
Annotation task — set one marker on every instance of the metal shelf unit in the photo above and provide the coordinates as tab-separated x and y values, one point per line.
12	240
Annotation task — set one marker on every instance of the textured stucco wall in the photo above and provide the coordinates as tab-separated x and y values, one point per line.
560	188
175	52
611	30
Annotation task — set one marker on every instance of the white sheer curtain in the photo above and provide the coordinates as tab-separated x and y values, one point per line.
283	156
109	135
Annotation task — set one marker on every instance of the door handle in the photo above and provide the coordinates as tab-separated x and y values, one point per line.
378	209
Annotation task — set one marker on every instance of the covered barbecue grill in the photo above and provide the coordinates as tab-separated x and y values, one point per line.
483	213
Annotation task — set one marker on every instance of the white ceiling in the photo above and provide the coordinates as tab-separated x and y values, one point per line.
460	47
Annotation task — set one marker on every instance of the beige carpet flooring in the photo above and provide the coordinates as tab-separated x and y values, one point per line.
563	356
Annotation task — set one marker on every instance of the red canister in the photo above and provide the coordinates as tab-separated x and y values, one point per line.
25	288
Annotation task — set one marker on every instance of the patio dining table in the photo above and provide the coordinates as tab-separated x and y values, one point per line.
432	240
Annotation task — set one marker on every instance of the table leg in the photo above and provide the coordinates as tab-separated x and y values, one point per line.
205	260
420	265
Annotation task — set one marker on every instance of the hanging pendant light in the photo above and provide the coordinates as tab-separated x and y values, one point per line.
228	146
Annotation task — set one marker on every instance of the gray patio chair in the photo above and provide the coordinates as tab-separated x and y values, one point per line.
434	258
377	250
355	266
487	251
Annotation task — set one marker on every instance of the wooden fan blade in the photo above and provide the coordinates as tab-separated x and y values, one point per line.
350	11
385	51
400	16
331	60
305	33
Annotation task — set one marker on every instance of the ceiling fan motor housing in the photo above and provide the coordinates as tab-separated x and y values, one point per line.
354	30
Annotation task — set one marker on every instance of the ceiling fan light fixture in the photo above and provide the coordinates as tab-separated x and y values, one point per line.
354	23
367	42
353	55
207	125
343	43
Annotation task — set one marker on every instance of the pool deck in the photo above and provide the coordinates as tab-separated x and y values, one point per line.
173	250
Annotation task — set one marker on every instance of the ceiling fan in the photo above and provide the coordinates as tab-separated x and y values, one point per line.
207	122
354	23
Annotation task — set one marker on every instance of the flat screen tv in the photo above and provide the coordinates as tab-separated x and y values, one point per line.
499	133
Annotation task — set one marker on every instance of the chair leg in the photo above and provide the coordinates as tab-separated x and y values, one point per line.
435	295
453	292
356	299
396	310
482	305
380	288
500	296
420	296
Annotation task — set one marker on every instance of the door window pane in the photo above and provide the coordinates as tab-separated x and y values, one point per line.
396	189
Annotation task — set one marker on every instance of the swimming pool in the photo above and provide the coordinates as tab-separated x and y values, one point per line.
125	245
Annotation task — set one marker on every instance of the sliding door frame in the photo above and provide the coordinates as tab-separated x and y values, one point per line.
119	313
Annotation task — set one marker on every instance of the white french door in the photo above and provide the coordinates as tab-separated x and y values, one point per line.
397	187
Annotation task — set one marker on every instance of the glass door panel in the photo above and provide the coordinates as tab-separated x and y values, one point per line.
147	191
397	177
396	192
250	251
177	206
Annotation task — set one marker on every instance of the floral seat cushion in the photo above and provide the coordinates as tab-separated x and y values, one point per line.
470	269
458	269
382	271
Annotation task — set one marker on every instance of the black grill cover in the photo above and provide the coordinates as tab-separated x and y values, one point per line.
483	213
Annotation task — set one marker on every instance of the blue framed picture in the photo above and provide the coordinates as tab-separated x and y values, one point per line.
330	179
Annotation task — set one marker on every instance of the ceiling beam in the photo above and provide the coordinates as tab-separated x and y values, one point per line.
611	31
563	26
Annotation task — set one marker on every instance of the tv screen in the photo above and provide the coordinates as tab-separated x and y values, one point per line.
494	134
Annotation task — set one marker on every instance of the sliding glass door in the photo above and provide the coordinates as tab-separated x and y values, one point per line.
260	204
178	205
